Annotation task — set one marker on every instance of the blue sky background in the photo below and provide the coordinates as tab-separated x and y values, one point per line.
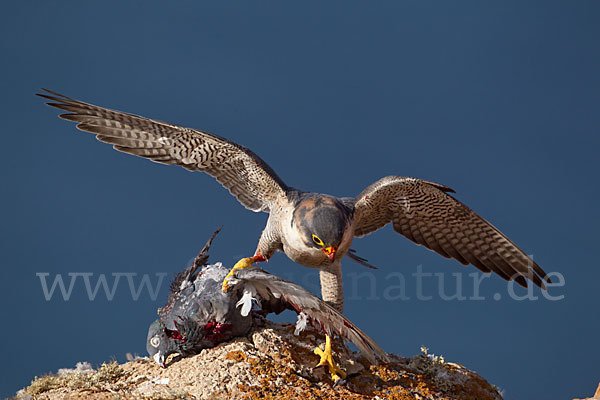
498	100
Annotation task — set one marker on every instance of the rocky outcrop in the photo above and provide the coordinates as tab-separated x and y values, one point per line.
270	363
596	395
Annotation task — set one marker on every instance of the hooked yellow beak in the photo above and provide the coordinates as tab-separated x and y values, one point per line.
330	251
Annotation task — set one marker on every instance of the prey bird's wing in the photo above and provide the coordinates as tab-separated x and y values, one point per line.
425	213
277	293
237	168
186	277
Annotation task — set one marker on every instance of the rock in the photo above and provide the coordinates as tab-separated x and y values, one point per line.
270	363
596	395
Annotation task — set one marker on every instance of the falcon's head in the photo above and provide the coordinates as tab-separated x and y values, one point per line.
321	223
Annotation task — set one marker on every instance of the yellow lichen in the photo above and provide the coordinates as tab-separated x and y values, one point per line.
235	356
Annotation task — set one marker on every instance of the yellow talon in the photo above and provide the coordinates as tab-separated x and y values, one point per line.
243	263
327	359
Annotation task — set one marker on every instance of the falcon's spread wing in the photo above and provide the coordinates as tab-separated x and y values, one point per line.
277	293
237	168
424	212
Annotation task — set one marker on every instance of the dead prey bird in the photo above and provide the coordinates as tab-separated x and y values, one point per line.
199	315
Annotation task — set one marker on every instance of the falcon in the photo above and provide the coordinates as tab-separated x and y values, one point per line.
199	315
313	229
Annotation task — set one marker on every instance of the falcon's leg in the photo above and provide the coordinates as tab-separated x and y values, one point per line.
332	290
243	263
333	293
327	360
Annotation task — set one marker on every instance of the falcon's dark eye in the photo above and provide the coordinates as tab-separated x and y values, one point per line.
173	334
318	240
